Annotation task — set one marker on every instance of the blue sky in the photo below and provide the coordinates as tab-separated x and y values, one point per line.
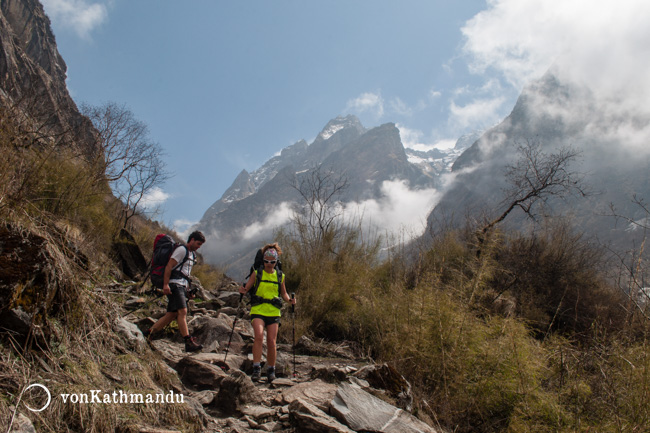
225	85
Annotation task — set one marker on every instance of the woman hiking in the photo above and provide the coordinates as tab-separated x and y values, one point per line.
268	287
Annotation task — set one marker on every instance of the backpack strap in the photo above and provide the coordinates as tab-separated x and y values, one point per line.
256	300
177	270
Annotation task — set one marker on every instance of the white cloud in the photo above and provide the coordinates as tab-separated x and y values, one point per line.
602	45
445	144
183	227
413	139
78	15
477	114
154	198
401	108
400	208
367	103
274	218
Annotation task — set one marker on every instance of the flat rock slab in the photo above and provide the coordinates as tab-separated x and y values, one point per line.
258	412
318	393
362	411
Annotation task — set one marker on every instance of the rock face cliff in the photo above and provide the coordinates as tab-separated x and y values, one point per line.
33	73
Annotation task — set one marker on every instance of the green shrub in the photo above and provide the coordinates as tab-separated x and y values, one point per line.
557	279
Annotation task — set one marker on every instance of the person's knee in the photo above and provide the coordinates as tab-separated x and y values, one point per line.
259	338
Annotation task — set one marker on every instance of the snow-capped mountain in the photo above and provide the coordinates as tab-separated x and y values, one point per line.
371	160
440	161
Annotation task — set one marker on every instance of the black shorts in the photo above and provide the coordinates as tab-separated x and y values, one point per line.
268	320
178	298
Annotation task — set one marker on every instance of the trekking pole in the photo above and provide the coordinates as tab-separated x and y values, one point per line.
145	279
241	296
293	326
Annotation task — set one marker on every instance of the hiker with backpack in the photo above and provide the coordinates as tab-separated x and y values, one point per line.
267	289
176	284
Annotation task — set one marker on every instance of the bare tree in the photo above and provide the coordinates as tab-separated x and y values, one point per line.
320	190
633	267
129	160
535	177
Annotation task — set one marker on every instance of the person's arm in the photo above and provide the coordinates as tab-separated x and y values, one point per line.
285	296
249	284
168	273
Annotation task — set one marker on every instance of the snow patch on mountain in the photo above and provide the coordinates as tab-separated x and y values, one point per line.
331	130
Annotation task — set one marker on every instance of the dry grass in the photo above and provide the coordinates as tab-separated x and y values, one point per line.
81	351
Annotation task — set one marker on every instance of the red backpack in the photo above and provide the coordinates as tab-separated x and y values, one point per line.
163	248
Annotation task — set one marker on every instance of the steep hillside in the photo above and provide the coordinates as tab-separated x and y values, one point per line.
33	73
555	115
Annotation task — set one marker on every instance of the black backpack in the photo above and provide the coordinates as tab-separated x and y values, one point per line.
163	248
259	263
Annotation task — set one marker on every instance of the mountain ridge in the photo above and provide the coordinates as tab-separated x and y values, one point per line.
556	115
366	158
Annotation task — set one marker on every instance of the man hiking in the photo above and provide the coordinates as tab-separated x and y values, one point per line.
268	286
176	284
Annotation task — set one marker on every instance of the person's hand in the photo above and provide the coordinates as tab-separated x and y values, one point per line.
242	290
167	290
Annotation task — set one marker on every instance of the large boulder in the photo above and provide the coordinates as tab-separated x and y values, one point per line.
129	256
200	375
130	332
214	333
236	391
386	377
27	270
308	418
317	393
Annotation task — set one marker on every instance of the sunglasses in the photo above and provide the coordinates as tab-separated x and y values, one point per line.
270	261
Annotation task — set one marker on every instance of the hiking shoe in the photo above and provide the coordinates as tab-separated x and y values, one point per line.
257	373
270	375
150	336
191	345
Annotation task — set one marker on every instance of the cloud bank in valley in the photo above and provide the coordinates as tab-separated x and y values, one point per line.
400	210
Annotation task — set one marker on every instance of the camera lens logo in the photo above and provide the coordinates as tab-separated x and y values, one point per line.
47	391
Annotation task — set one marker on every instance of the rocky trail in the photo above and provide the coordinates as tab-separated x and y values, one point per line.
321	387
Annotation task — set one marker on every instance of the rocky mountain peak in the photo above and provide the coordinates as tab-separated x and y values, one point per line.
367	158
335	125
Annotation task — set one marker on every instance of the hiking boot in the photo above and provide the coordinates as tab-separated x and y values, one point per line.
150	336
257	373
191	345
270	374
